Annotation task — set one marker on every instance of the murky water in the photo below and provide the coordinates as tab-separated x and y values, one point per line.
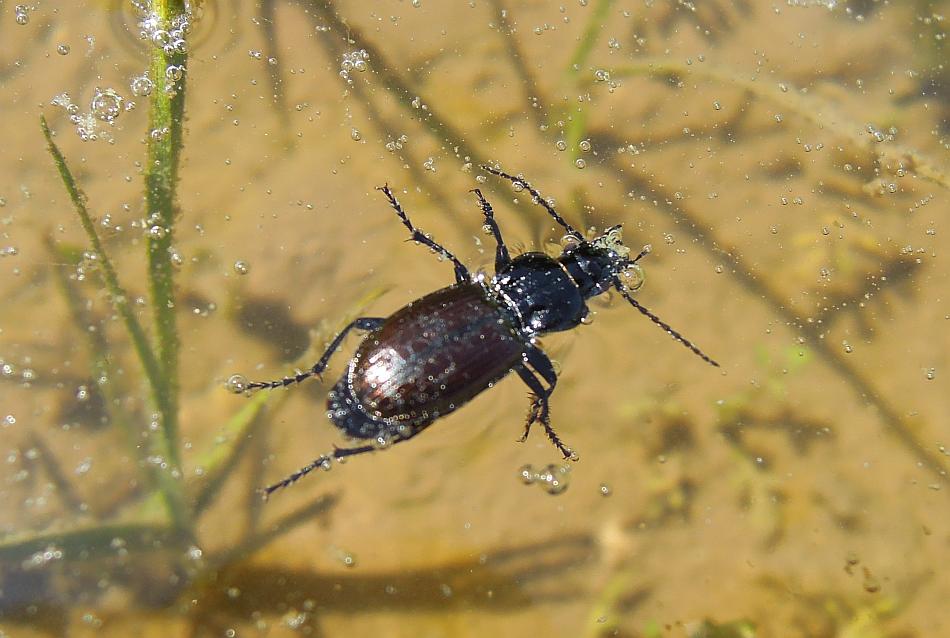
788	164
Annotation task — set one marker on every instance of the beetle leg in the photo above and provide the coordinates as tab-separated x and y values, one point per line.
325	461
461	272
538	412
362	323
502	258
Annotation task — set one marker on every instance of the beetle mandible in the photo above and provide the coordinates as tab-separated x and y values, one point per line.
438	352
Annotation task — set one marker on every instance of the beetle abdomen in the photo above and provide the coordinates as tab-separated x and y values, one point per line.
428	359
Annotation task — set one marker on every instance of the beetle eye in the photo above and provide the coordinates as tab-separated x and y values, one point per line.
632	278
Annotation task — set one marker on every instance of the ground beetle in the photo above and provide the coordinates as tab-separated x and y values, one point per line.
438	352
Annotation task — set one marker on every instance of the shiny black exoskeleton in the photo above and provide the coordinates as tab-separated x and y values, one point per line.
438	352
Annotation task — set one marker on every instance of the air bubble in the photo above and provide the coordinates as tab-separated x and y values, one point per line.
580	163
21	14
241	267
632	278
106	105
174	73
62	49
236	384
141	86
585	146
157	232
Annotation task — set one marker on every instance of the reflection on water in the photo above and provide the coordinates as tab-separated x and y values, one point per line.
787	163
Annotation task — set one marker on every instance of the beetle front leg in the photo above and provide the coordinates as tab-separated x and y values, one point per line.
461	272
539	410
362	323
502	258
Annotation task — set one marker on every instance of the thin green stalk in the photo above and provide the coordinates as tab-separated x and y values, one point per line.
170	487
102	369
577	122
595	25
166	115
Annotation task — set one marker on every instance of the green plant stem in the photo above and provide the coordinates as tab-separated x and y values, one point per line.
166	115
168	484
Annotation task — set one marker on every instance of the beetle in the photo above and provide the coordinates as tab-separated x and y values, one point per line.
435	354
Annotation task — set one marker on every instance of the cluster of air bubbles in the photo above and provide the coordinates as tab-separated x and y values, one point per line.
88	262
104	108
21	13
881	135
397	144
552	478
8	251
603	76
168	35
353	61
43	557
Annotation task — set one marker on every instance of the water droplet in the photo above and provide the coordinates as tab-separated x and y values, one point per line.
62	49
236	384
355	135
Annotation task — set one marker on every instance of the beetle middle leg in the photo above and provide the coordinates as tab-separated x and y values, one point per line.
502	258
461	272
539	412
362	323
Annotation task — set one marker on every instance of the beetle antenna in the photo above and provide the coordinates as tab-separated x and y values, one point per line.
673	333
537	198
646	250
